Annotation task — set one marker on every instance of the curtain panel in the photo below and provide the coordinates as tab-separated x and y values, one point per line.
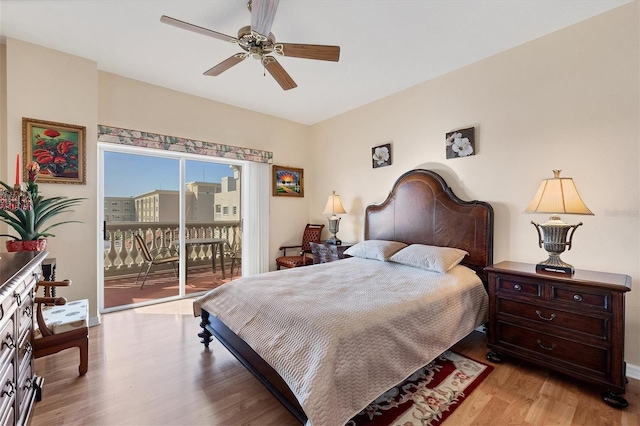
137	138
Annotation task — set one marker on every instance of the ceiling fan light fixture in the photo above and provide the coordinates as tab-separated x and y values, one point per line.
252	40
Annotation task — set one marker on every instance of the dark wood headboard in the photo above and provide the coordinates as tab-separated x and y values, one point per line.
422	209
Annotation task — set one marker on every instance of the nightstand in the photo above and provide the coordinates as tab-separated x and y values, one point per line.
323	252
573	324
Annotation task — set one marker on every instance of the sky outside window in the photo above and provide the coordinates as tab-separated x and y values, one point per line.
128	175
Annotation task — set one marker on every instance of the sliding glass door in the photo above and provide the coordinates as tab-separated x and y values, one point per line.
212	223
170	222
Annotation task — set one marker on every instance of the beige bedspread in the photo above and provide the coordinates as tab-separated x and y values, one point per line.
342	333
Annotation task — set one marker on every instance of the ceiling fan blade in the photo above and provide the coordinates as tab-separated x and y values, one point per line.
196	29
278	73
308	51
262	14
226	64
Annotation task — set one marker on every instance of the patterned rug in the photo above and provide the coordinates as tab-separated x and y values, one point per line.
429	396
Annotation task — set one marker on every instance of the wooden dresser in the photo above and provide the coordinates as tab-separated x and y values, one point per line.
573	324
20	387
323	252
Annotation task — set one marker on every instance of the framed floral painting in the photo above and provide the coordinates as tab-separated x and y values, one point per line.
460	143
58	148
381	155
288	181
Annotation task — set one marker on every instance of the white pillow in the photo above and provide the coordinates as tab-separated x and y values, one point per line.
431	258
374	249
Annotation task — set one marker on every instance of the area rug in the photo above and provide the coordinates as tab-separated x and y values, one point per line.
429	396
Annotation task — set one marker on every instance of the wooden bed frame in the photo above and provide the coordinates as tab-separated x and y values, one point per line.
421	209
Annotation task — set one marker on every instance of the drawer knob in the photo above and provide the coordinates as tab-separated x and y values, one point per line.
548	348
517	287
9	342
551	318
577	298
12	388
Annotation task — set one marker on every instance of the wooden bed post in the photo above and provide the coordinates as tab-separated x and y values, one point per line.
205	334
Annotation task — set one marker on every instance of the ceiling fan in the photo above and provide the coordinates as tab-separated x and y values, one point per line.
258	42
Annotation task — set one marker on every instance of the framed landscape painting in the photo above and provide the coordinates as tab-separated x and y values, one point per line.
288	181
58	148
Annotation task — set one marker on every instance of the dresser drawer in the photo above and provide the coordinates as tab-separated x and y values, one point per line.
25	316
581	297
592	358
7	419
7	390
25	350
595	326
518	286
25	389
8	342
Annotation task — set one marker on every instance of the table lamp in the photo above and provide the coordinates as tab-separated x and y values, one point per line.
555	196
334	207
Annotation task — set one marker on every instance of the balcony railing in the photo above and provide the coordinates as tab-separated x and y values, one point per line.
123	257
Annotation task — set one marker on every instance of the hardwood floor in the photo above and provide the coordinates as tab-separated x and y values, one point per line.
147	367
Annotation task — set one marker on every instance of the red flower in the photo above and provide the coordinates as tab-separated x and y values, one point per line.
60	160
41	142
62	148
51	133
45	158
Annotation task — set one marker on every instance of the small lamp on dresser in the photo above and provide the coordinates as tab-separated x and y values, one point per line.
334	207
555	196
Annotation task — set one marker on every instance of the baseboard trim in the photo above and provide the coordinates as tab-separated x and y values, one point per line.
633	371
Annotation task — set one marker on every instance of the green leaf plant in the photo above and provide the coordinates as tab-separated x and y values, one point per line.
35	224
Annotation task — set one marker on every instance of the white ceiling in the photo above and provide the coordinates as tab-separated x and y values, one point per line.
386	45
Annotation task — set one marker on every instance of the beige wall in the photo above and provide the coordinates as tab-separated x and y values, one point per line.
48	85
565	101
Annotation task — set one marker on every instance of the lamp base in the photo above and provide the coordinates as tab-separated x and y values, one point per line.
555	264
554	240
334	241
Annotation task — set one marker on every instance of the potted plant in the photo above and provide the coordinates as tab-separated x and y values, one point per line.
33	225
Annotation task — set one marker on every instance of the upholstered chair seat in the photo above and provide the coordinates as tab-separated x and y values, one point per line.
68	317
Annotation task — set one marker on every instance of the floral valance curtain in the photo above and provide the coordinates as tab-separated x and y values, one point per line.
171	143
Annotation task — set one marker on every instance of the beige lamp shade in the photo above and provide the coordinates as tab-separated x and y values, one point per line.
556	196
334	206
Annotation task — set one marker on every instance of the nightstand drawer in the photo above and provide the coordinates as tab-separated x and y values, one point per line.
579	297
564	350
522	287
552	317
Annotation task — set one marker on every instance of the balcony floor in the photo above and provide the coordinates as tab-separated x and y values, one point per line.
123	291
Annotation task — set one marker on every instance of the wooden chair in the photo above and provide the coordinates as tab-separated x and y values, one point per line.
60	325
311	233
235	253
158	257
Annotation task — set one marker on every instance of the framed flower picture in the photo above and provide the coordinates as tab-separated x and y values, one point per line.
460	143
288	181
381	155
58	148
